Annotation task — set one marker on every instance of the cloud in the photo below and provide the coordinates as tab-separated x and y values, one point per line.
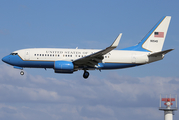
98	111
113	97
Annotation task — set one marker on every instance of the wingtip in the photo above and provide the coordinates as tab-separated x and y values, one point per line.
116	42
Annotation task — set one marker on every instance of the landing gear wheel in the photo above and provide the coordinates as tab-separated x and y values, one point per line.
22	72
85	74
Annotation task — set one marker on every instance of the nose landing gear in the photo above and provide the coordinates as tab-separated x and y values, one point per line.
85	74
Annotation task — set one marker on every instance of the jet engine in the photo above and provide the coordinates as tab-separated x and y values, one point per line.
63	67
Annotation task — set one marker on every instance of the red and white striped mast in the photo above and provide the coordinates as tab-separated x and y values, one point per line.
168	109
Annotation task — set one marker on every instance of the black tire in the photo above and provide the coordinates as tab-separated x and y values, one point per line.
22	72
85	74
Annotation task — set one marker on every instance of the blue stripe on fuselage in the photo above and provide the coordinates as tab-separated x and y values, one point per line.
108	66
17	61
118	65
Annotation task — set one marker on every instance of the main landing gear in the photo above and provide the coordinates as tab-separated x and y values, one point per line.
22	72
85	74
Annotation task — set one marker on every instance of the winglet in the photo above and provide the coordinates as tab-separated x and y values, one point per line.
116	42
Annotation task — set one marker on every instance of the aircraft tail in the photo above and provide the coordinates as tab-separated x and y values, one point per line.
154	40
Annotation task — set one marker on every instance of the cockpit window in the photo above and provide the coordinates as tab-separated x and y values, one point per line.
13	54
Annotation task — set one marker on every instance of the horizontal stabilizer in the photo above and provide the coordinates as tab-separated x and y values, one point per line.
160	53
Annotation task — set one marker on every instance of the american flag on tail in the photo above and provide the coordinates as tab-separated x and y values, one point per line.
159	34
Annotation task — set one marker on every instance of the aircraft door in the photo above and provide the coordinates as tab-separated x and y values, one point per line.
27	55
133	59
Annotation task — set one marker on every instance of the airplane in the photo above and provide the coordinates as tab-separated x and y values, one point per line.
148	50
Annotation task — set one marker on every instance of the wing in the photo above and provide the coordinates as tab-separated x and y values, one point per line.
93	59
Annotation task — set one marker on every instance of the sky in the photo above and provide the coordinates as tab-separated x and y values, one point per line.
131	93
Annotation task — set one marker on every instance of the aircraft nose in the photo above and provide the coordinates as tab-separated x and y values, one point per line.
5	59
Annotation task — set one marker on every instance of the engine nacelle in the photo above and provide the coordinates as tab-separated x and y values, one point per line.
63	67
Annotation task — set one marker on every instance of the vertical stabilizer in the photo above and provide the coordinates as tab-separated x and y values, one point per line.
154	40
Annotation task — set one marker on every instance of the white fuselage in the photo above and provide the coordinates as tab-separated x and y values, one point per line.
54	54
